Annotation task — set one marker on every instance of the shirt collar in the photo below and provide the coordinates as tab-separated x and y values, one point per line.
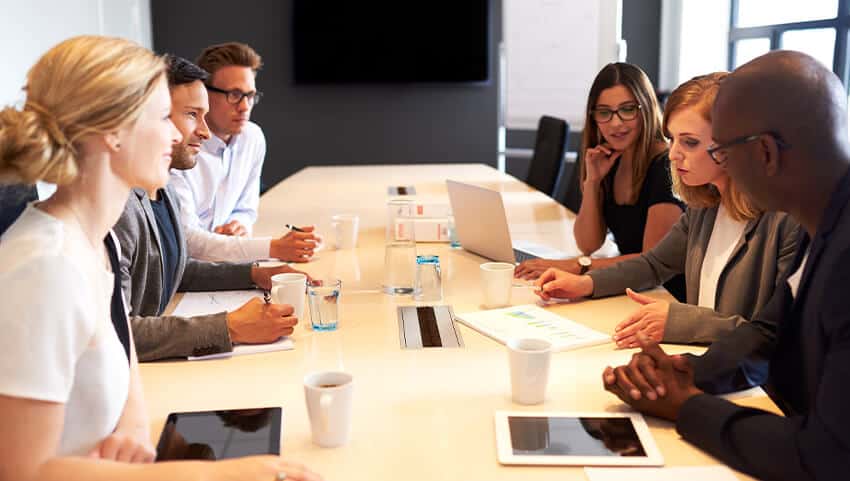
215	145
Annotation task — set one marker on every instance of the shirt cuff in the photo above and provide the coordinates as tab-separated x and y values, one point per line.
255	248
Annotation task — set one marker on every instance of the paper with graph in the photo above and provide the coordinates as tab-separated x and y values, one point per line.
532	321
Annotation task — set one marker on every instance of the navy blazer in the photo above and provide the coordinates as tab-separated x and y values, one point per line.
806	341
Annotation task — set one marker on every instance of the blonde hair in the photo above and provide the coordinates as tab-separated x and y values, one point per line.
636	81
698	94
87	85
215	57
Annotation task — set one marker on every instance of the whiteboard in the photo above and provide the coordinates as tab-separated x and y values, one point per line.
553	51
32	27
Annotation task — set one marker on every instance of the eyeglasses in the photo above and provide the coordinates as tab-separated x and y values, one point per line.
719	153
235	96
626	112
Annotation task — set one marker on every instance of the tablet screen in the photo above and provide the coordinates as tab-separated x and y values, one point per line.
574	436
220	434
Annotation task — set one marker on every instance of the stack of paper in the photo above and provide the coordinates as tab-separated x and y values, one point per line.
202	303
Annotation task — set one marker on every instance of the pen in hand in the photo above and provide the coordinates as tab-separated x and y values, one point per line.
292	227
267	298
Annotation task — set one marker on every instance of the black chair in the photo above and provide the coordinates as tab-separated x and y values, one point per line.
569	192
547	162
13	201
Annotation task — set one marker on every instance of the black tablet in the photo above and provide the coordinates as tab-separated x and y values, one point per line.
222	434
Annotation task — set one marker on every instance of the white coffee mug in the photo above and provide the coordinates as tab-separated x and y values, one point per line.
329	397
496	280
345	228
290	288
529	362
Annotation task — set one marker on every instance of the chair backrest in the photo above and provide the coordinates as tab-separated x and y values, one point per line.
548	159
568	193
13	201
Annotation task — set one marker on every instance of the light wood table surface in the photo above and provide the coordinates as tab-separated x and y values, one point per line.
418	414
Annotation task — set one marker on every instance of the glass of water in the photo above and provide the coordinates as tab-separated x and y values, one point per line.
323	295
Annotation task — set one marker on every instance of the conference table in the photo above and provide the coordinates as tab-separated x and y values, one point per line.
419	414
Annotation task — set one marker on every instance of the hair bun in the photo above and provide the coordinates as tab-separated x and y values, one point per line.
33	147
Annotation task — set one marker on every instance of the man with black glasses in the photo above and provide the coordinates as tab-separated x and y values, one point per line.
222	192
788	153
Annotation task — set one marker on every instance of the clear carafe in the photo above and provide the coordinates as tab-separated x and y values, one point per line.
400	248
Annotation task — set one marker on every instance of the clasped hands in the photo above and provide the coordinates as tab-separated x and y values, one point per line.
653	382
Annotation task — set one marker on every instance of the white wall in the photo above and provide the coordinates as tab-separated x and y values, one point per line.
28	28
553	51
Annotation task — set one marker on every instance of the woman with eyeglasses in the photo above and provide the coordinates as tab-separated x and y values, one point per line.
625	175
96	123
732	254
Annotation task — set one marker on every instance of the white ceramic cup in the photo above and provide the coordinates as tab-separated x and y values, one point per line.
496	281
290	288
529	361
329	396
345	228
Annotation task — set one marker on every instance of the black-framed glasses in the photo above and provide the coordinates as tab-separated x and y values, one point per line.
719	153
235	96
626	112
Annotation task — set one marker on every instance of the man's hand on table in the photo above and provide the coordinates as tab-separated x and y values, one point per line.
653	382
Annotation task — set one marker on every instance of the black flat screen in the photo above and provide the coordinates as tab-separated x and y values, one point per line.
222	434
564	436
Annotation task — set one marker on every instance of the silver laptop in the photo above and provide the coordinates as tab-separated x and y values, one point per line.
482	227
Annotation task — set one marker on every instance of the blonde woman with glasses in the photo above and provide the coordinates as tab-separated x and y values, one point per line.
733	254
95	122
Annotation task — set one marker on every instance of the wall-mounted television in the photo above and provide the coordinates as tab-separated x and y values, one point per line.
382	41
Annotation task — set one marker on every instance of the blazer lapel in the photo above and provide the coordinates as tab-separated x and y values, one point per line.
696	255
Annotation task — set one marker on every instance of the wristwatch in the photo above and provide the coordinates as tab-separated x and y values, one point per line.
584	262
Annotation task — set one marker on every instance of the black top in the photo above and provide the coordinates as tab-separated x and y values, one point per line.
116	305
802	344
168	248
628	222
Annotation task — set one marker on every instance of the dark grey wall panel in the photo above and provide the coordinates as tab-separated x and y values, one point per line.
338	124
642	32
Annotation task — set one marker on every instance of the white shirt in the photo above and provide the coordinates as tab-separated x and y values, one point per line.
794	279
209	246
57	341
225	184
724	237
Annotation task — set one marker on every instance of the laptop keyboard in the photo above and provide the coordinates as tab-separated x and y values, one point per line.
521	256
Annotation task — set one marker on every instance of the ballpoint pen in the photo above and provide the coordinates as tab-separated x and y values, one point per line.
267	298
292	227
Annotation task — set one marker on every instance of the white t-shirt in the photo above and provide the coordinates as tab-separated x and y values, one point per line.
795	278
724	237
57	341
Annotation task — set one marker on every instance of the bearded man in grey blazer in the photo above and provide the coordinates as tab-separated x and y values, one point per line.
155	265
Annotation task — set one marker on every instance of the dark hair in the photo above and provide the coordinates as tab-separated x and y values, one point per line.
636	81
215	57
181	71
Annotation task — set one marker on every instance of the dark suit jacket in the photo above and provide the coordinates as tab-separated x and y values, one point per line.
157	336
807	342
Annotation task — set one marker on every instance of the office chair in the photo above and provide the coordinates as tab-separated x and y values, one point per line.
547	162
13	201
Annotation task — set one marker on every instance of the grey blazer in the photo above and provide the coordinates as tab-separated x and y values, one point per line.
158	337
758	262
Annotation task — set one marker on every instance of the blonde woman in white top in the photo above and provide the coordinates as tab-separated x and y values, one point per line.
733	255
95	122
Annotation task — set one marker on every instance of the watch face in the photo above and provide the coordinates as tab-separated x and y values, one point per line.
584	261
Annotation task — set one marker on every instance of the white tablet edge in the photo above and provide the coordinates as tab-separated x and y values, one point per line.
505	450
